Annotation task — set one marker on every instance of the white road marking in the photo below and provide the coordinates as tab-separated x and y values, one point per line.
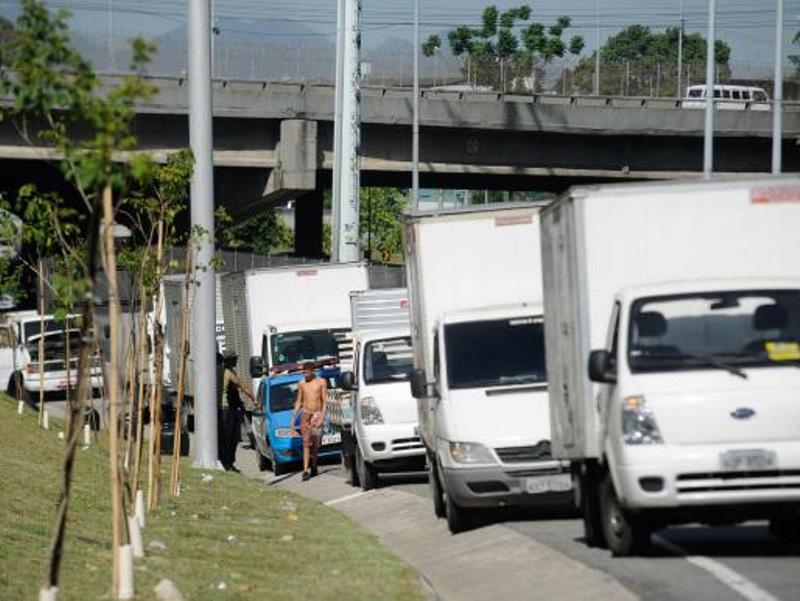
730	578
355	495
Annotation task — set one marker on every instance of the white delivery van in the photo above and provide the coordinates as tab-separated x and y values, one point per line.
382	436
280	317
673	353
478	341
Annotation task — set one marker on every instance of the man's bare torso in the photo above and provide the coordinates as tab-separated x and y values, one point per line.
312	395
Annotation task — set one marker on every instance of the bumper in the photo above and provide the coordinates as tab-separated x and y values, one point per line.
52	385
692	476
502	485
388	443
290	450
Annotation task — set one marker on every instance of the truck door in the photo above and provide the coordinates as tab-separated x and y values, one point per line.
7	349
604	395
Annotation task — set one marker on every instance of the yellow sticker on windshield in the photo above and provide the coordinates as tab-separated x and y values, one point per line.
783	351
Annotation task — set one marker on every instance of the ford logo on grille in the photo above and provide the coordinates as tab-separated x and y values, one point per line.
743	413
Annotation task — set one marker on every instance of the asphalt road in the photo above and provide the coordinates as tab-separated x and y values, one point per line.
686	563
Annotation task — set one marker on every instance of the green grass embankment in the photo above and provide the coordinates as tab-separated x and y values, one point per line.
230	539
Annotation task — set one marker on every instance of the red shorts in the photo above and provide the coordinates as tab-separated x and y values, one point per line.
311	428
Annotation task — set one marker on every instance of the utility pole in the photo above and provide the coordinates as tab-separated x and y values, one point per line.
336	213
112	63
680	51
415	126
597	54
351	134
708	137
202	207
777	100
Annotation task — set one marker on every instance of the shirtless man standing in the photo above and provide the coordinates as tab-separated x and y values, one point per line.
311	396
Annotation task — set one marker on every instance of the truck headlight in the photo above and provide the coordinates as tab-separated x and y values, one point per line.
470	453
283	432
370	412
638	422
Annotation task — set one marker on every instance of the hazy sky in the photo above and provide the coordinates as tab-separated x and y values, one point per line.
748	25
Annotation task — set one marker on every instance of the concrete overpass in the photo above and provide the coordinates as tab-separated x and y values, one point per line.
274	140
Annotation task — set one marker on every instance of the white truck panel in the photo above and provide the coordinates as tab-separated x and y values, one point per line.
448	254
379	310
675	231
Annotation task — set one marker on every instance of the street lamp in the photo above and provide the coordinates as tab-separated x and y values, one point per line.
777	99
415	125
708	137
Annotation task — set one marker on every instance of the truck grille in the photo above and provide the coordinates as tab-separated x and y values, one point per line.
406	444
538	452
704	482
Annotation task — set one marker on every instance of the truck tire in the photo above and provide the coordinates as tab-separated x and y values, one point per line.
279	469
349	460
625	533
785	526
367	475
589	507
458	518
436	488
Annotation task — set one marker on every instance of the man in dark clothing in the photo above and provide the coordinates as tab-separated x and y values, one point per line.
231	408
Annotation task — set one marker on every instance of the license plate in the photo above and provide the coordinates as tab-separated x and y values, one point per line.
543	484
331	438
749	460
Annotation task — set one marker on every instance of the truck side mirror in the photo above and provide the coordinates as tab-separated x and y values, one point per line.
256	367
419	383
348	380
602	368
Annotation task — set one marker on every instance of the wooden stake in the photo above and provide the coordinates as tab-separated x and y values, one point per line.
113	387
184	351
40	270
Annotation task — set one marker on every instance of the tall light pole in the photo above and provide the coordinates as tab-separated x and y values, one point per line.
679	89
336	213
204	348
415	125
351	134
777	100
112	63
708	137
597	54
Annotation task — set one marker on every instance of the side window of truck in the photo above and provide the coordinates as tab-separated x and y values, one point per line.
611	344
436	356
264	348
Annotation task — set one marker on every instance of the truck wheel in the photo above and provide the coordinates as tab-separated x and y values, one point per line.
458	518
367	474
786	526
279	469
436	489
625	533
350	467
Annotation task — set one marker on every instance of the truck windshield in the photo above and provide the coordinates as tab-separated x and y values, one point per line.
495	353
33	328
725	330
306	345
388	360
282	396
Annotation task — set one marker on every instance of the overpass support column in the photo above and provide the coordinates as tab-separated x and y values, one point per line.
308	225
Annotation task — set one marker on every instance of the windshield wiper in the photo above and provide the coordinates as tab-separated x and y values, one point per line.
714	362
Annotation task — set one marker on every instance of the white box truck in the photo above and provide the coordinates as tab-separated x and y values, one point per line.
673	353
479	378
381	435
277	318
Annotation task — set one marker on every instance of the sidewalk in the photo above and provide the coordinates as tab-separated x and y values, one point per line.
493	562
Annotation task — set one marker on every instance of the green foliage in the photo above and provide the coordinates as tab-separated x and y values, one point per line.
639	55
497	53
263	234
432	45
381	231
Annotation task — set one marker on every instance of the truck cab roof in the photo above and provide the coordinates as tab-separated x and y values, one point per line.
497	312
302	326
669	288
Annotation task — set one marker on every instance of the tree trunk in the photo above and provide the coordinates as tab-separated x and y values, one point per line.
113	385
85	351
139	400
184	351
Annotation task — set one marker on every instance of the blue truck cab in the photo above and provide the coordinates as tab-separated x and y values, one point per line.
278	441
